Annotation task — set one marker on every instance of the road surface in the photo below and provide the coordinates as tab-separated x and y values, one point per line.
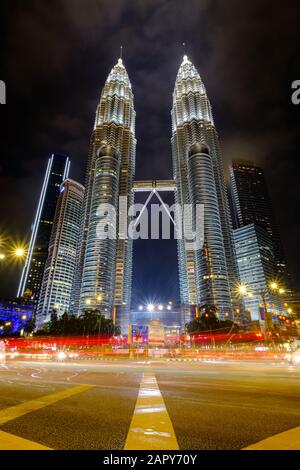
148	405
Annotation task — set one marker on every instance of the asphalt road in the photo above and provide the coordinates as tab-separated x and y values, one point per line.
211	405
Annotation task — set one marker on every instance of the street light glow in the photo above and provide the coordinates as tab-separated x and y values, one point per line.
242	289
160	307
2	256
150	307
274	285
19	252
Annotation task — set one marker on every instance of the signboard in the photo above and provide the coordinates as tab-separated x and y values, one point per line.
138	334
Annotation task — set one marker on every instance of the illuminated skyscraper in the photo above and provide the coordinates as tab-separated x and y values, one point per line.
256	265
210	261
57	171
98	281
251	203
55	294
192	123
114	132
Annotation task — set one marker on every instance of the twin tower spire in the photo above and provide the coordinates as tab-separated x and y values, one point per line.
104	274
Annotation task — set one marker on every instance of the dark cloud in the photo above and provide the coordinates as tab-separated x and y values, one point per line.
56	58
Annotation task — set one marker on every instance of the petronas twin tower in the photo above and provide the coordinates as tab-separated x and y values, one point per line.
104	273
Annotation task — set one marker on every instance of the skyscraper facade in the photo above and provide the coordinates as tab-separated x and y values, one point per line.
98	281
210	261
256	264
114	128
32	274
55	294
192	123
250	202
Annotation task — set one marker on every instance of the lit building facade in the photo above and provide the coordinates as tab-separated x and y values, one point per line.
114	126
32	274
250	203
210	261
256	265
98	280
15	314
192	123
166	314
55	294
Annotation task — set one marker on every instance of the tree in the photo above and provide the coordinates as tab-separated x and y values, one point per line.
29	326
92	322
208	322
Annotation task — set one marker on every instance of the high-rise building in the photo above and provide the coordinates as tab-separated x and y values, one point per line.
98	280
192	123
256	264
31	279
210	261
115	129
55	294
250	203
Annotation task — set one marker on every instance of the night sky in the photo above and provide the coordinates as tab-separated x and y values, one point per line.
56	57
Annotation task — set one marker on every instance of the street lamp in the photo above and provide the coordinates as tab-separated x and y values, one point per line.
273	286
19	252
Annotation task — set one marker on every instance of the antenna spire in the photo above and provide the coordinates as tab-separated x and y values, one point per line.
121	52
185	57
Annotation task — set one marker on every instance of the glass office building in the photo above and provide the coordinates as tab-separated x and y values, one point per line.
192	123
256	265
250	203
60	266
114	126
31	279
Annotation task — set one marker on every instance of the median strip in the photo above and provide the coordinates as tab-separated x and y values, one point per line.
151	427
14	412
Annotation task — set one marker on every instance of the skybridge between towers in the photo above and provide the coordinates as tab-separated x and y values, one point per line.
153	186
